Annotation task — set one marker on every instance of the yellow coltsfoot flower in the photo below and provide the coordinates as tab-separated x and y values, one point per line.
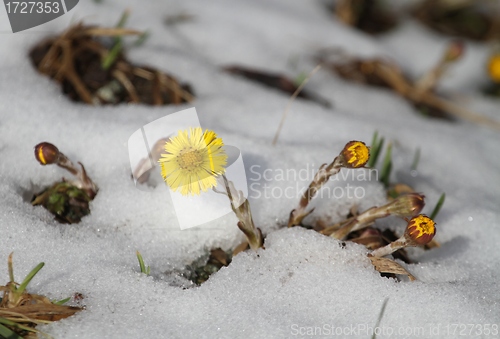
192	161
494	68
419	231
356	154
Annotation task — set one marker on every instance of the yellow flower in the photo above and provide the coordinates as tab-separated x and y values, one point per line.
421	229
494	68
193	160
356	154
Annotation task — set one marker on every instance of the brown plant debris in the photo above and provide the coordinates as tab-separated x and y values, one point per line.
21	311
200	270
420	93
386	265
369	16
472	19
75	59
277	81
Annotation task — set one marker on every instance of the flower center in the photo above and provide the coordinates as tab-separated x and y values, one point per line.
190	159
424	225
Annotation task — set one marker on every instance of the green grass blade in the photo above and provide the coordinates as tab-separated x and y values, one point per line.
11	323
375	148
28	278
111	57
380	315
416	160
142	265
385	173
374	138
438	206
123	19
142	38
109	60
299	79
11	268
376	153
62	302
7	333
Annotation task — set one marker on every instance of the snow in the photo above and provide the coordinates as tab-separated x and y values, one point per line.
302	280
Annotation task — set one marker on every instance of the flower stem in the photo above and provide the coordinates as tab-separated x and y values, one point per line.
361	221
64	162
390	248
320	178
241	207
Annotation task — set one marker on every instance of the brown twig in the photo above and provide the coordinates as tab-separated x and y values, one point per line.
129	87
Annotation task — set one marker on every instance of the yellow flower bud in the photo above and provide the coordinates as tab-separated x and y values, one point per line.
356	154
46	153
494	68
420	230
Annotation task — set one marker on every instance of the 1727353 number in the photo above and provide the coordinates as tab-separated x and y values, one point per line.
32	7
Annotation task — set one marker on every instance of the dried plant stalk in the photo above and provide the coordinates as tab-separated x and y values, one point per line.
24	310
46	311
383	73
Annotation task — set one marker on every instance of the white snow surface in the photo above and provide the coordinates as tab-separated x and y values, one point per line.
302	281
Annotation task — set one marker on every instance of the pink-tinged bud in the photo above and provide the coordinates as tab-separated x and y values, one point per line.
356	154
420	230
455	50
46	153
407	205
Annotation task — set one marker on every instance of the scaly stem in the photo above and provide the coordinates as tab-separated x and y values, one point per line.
241	207
390	248
361	221
320	178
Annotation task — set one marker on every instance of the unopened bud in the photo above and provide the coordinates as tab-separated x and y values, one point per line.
494	68
356	154
46	153
407	205
455	51
420	230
